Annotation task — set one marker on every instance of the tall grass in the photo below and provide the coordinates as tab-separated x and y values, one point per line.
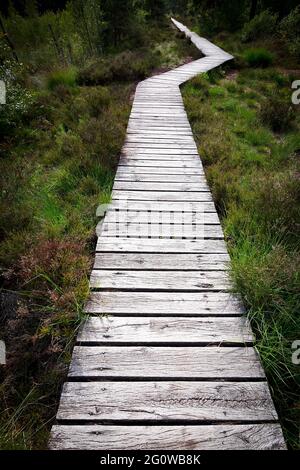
253	173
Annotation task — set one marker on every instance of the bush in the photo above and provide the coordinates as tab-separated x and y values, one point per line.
132	66
289	30
66	77
125	66
260	26
96	72
278	114
259	57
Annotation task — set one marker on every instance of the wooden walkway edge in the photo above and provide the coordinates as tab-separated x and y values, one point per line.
165	359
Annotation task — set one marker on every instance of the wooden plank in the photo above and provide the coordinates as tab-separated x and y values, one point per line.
159	178
159	217
159	170
162	196
165	331
166	230
176	362
136	245
161	151
161	186
170	207
181	281
154	261
196	437
164	159
167	401
179	164
164	303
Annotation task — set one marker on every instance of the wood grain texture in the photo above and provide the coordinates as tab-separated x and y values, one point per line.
162	196
165	362
161	206
160	186
166	330
214	437
167	401
166	230
164	303
154	261
158	178
161	217
160	280
160	245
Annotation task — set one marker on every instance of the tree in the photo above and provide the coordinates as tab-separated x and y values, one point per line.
156	8
253	8
117	16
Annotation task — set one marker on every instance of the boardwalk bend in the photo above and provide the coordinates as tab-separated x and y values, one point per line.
165	359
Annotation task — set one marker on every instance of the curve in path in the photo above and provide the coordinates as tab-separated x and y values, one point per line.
172	365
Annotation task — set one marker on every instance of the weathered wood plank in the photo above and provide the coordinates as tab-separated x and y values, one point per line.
200	196
145	217
182	281
161	186
171	231
169	207
197	437
180	164
159	178
164	303
165	330
138	154
160	151
136	245
177	362
154	261
167	401
160	171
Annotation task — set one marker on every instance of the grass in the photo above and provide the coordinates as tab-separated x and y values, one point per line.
259	57
66	77
253	169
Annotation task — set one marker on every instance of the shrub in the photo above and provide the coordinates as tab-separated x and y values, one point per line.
277	113
259	57
261	25
130	66
96	72
289	30
66	77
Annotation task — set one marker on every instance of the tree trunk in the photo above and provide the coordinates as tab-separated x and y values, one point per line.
12	47
253	9
59	51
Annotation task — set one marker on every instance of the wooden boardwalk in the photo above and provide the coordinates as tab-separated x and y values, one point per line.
166	358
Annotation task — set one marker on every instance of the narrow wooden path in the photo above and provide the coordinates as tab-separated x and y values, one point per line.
166	359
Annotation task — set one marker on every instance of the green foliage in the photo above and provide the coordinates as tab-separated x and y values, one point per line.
221	16
289	30
254	178
66	77
19	101
259	57
262	25
278	113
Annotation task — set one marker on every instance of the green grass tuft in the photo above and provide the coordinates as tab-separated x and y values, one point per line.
259	57
66	77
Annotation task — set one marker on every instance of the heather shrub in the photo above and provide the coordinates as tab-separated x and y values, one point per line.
262	25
